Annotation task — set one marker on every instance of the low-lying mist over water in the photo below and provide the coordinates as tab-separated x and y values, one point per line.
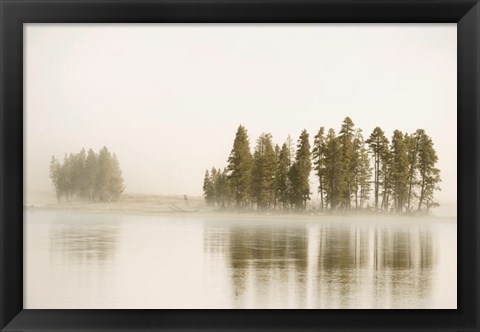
99	260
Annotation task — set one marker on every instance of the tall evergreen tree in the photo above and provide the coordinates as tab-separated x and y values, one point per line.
66	172
78	172
208	189
361	170
318	156
365	175
399	171
104	169
115	185
273	188
240	168
91	170
54	177
386	176
345	137
429	174
263	171
222	189
291	149
412	143
333	170
109	182
282	176
378	144
300	173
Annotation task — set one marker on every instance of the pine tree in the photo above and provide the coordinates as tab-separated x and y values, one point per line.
263	171
77	165
54	176
222	189
411	142
361	170
399	171
115	185
103	174
429	174
333	170
66	172
365	175
318	156
240	168
386	176
208	190
282	176
214	175
378	144
273	188
345	137
91	170
300	173
291	149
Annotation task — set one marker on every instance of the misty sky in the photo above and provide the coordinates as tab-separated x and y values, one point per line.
168	98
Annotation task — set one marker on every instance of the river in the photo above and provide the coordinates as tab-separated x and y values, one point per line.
101	260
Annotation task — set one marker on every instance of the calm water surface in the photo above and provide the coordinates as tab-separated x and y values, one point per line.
81	260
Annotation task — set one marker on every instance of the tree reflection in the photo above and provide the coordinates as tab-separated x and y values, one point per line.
84	242
325	265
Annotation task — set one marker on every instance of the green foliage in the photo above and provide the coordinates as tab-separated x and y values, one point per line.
216	189
378	145
263	171
333	170
209	188
362	172
386	176
403	171
399	171
282	183
318	156
89	176
429	175
54	176
411	144
222	189
240	168
300	173
348	161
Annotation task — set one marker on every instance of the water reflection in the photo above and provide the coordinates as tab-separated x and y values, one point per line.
311	265
85	241
83	260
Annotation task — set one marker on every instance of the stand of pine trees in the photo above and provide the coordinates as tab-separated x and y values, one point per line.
87	176
397	176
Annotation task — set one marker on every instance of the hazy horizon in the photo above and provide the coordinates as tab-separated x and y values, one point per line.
168	98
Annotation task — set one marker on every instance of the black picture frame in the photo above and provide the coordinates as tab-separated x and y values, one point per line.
466	13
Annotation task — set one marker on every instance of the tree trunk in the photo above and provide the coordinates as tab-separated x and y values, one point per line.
356	198
321	194
377	165
422	192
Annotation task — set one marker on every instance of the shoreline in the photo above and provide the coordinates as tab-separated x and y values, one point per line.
115	208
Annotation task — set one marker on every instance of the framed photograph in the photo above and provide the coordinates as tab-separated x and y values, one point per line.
178	158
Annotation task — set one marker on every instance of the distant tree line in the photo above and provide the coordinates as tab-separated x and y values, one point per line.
87	176
397	175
